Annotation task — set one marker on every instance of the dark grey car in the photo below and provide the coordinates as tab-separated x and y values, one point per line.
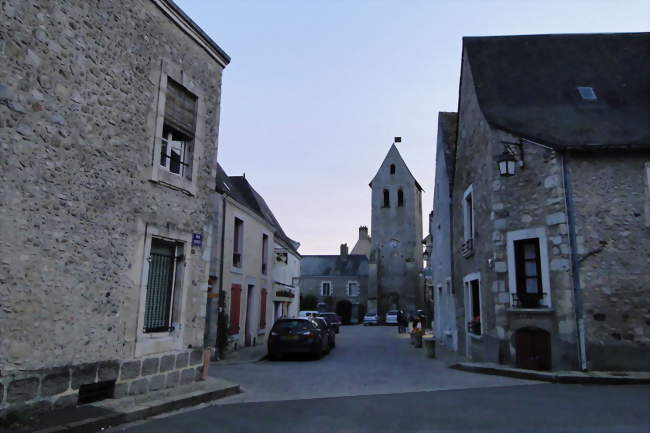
331	335
298	335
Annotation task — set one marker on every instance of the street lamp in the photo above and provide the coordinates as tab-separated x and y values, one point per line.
507	160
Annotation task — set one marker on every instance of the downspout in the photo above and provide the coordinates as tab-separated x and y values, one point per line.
575	263
221	302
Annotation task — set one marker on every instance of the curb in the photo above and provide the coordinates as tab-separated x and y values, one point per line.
139	412
554	377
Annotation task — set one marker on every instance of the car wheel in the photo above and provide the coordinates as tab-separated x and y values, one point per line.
333	344
318	354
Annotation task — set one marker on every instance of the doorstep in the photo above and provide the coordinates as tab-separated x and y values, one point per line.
106	413
585	377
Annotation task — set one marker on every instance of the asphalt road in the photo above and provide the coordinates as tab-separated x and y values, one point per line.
374	381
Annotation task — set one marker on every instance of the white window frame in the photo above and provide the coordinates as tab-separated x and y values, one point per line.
322	288
155	342
517	235
349	290
468	217
467	287
157	172
179	147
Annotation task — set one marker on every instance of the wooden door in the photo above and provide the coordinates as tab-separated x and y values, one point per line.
533	348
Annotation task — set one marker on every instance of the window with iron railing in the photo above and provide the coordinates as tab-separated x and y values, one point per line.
163	260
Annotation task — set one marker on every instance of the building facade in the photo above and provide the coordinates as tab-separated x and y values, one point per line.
335	279
396	247
106	198
444	299
258	267
549	190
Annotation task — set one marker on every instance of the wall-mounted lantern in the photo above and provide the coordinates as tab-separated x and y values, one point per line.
507	161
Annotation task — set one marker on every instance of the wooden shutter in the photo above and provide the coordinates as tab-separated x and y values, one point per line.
235	298
263	310
180	108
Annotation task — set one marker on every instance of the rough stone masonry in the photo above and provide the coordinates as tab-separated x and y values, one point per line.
81	102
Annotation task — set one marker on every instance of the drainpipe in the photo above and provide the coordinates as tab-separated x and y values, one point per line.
220	299
575	264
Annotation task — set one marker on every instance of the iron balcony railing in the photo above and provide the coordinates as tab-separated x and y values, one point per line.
529	300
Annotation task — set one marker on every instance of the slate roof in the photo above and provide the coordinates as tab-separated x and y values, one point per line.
527	85
326	266
241	191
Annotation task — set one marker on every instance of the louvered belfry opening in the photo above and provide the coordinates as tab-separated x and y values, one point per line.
160	286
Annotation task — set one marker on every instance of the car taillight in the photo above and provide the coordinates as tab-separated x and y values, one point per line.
309	333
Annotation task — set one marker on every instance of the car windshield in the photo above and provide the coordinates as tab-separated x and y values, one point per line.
371	314
293	325
392	312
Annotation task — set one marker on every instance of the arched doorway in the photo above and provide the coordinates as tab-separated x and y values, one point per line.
533	347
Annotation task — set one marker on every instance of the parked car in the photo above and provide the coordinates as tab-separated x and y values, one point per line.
333	320
322	324
298	335
308	313
391	317
370	319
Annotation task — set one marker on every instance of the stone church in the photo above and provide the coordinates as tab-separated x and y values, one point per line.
395	263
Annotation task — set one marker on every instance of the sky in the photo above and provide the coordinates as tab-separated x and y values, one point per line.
317	89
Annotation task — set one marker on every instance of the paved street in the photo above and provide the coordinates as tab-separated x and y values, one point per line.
375	381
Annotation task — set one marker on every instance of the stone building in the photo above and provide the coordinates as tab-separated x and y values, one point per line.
440	223
109	119
336	278
396	248
258	264
550	185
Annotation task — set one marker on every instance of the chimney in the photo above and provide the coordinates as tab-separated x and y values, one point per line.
344	251
363	233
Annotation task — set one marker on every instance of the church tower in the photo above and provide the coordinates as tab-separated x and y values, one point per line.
395	280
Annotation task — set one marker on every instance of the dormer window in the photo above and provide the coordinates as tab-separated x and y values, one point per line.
392	169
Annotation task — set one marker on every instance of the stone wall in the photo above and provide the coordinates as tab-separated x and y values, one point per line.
531	201
311	286
58	387
80	110
609	194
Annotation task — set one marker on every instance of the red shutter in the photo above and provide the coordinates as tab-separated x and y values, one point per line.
235	297
263	310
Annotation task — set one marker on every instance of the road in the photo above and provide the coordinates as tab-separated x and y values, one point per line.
374	381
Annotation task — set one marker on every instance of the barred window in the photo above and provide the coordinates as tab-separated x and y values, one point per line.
163	260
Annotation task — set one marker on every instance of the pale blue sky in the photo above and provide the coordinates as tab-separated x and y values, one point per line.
317	90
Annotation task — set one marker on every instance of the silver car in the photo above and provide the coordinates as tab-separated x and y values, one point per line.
370	319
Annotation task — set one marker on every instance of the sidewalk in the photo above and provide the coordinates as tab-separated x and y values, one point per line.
106	413
243	356
584	377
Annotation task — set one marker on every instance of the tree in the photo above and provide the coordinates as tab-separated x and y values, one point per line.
308	302
344	309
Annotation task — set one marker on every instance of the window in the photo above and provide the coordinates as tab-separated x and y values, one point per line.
163	259
353	288
587	93
400	198
528	268
529	272
326	288
265	253
392	169
386	198
178	130
281	257
238	243
450	290
473	310
467	248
